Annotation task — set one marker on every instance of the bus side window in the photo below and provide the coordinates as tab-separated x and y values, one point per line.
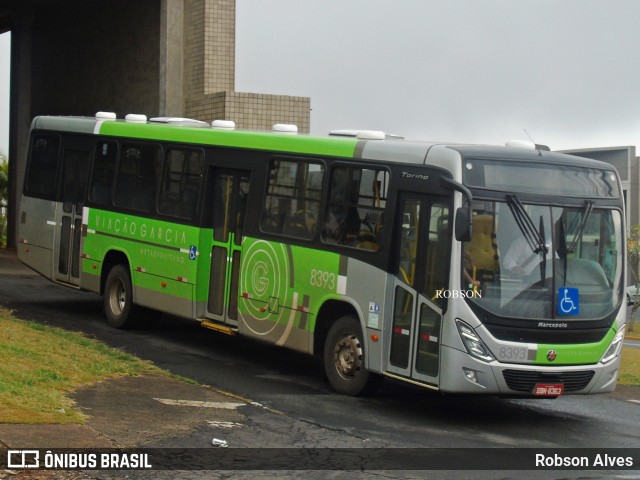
104	168
43	167
181	183
292	203
354	215
136	179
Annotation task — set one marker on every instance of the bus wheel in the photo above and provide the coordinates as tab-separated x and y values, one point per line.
118	297
344	359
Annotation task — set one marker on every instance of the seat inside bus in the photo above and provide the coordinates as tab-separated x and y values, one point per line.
482	250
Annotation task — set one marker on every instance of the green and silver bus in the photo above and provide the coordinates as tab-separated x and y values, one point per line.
460	268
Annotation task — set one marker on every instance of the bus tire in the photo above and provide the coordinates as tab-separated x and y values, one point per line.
118	297
344	359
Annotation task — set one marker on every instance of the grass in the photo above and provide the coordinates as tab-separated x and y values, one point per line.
630	367
40	365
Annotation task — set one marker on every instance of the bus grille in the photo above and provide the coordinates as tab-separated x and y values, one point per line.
525	381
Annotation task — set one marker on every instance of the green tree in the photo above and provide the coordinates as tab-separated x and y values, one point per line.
4	197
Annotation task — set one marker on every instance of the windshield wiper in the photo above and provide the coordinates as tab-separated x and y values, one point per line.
543	263
531	234
563	250
586	212
561	247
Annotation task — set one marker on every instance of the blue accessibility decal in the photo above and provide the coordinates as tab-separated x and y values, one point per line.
568	301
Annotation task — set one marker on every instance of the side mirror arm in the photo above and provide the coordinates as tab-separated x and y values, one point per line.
464	216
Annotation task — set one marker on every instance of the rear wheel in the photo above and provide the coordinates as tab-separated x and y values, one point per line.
344	359
118	297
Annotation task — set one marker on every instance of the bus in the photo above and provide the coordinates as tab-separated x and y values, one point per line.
460	268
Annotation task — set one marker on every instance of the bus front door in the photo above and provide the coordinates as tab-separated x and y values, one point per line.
68	228
230	189
423	237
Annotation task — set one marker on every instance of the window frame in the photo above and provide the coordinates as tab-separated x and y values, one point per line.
124	145
90	193
28	190
200	182
349	203
319	200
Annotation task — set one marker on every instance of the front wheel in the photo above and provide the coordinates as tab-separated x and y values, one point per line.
344	359
118	297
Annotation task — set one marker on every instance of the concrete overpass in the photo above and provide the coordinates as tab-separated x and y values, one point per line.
157	57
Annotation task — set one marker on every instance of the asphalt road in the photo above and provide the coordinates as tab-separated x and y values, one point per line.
294	406
632	343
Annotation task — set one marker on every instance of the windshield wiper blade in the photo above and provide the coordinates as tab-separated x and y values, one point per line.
543	263
531	234
586	212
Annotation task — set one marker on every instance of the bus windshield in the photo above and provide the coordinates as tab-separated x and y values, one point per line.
544	262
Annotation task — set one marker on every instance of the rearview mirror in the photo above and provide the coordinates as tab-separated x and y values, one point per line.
463	219
463	224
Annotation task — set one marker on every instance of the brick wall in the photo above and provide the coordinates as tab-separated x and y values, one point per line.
210	74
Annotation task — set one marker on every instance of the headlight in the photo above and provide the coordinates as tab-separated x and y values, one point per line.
474	345
614	349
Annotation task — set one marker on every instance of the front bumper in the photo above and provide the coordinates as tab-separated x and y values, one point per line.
519	380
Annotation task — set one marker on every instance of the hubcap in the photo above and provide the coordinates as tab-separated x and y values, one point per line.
347	356
118	297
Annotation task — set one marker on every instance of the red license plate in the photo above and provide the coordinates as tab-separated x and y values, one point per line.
548	389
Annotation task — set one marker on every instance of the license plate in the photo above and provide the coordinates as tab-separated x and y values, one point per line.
548	389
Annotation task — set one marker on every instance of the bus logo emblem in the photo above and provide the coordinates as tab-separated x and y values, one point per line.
551	355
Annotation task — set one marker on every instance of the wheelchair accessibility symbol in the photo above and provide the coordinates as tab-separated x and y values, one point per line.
568	301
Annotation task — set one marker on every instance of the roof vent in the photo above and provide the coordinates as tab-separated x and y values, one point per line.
135	118
370	135
361	134
105	116
224	124
520	144
343	133
527	145
285	128
188	122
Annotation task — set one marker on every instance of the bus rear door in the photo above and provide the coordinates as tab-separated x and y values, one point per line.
423	236
68	230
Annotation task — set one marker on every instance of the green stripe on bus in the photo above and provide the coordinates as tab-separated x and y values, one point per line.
338	147
580	354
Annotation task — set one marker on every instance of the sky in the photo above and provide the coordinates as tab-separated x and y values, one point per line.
477	71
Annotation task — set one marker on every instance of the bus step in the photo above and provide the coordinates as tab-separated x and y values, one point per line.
219	327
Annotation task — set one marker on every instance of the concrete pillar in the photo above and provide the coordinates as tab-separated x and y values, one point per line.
20	115
171	58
